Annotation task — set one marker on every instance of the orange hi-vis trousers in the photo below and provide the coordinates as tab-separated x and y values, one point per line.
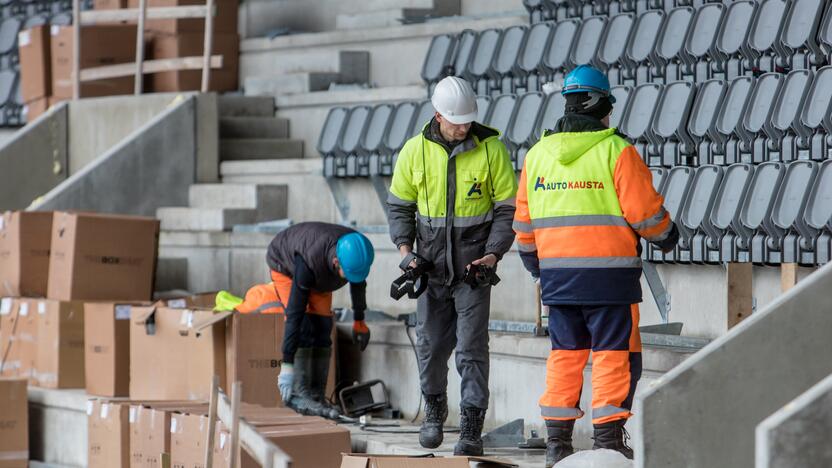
610	333
320	303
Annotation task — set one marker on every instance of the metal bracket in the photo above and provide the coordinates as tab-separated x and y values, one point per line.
339	196
660	294
381	192
507	435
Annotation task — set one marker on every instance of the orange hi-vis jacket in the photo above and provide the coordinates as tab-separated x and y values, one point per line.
584	200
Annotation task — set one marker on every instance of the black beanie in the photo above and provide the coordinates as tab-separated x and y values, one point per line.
576	102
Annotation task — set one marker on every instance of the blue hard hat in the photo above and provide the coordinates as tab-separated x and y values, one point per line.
355	254
586	79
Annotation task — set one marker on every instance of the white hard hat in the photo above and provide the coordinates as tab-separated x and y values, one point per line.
455	100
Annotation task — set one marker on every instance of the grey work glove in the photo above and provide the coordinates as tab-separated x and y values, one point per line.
285	381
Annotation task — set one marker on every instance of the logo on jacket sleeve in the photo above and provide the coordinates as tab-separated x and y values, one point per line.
541	184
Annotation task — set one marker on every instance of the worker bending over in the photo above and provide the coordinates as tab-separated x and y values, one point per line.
585	200
453	194
309	261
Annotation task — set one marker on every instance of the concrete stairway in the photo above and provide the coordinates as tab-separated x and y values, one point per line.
314	73
250	130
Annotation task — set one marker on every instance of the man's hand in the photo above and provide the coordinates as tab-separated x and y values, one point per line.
285	381
405	250
489	260
360	334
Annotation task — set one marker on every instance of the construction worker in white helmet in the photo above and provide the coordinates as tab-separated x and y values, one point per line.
452	196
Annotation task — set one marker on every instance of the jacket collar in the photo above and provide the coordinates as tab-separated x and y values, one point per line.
479	133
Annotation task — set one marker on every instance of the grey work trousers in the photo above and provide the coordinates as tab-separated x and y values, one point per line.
454	318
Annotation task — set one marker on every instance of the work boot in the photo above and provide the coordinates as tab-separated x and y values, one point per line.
320	373
436	412
613	436
559	441
303	400
470	432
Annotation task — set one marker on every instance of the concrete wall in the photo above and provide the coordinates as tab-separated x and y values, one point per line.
798	433
704	412
34	159
492	7
58	427
152	167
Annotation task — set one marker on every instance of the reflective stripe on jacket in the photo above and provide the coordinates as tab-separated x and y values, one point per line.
584	199
458	204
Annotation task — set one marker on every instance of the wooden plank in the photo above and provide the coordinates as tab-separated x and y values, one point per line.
76	50
236	395
212	422
740	292
788	276
139	78
207	47
150	66
131	15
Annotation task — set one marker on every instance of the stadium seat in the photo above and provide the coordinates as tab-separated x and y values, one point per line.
669	45
33	21
785	121
424	113
725	148
703	117
815	123
765	28
613	44
371	144
535	9
622	97
482	56
9	29
500	114
332	130
521	131
670	143
346	155
439	59
556	60
727	57
397	134
675	191
756	210
700	40
825	34
636	120
816	229
483	104
465	44
659	178
529	65
757	116
61	19
504	66
552	110
789	206
721	243
557	9
797	46
640	47
694	214
585	48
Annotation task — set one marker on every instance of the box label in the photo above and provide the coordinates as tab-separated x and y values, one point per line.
105	410
222	440
5	304
172	425
41	307
24	309
54	30
89	407
24	38
123	312
132	417
177	303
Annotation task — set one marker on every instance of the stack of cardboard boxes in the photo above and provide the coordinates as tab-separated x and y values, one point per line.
46	54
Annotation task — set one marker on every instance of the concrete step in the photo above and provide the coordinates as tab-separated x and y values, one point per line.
379	18
265	171
254	127
353	66
236	149
203	219
290	83
270	201
245	106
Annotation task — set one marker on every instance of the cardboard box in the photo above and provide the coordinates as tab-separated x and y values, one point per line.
36	108
191	44
14	423
109	4
187	440
362	460
35	63
205	300
60	350
310	445
9	354
150	430
108	434
25	239
27	340
233	346
107	343
100	45
97	257
225	20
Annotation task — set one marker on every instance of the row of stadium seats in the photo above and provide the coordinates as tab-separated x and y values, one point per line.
766	214
715	40
774	117
548	10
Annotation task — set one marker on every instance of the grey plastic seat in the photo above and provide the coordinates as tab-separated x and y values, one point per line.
535	9
785	122
659	178
521	130
669	45
721	241
373	141
700	41
703	117
501	113
483	104
424	113
756	210
479	65
438	60
695	213
33	21
8	90
504	65
670	144
61	19
825	34
797	46
784	228
757	116
815	242
529	64
727	57
552	110
9	29
465	44
332	130
346	156
586	45
675	192
815	122
641	46
397	134
556	59
636	120
613	44
622	97
765	29
725	135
